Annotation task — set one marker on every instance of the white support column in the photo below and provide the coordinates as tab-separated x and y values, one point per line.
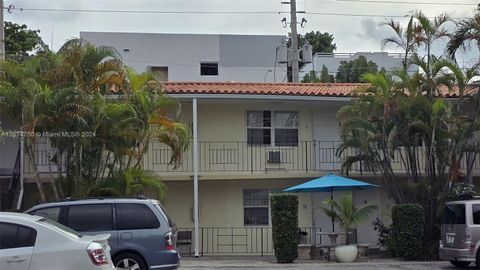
195	175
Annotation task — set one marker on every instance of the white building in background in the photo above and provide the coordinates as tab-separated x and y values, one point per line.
389	61
198	57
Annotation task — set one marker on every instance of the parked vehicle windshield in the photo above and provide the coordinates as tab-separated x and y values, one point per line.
454	214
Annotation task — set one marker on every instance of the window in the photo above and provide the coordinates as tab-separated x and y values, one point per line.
209	69
135	216
286	128
476	213
160	73
90	217
162	211
255	207
454	214
260	128
16	236
52	213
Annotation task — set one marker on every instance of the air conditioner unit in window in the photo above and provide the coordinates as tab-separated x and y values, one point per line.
273	156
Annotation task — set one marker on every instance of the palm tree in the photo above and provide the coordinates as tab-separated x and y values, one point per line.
467	31
80	73
21	98
427	31
433	73
464	124
93	69
157	114
404	38
70	91
129	182
367	126
346	213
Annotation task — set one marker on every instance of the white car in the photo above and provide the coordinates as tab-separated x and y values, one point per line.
35	243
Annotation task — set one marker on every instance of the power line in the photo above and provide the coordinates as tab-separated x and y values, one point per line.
370	15
144	11
208	12
408	2
357	15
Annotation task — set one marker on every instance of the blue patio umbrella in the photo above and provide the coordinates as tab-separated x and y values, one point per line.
330	182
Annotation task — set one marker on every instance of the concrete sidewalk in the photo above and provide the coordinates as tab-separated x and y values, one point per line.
269	262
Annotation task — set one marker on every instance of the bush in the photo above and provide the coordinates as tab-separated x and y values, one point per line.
408	225
285	226
385	239
460	191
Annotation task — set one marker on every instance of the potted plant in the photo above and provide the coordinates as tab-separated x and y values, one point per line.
349	218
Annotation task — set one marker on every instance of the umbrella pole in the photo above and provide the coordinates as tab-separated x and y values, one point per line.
333	219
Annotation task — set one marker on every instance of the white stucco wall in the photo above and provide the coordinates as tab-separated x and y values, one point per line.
241	58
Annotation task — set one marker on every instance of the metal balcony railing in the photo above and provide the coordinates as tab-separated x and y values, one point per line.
248	240
240	157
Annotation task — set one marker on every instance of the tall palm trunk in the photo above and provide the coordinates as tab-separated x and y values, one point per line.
38	180
471	156
52	178
101	164
59	174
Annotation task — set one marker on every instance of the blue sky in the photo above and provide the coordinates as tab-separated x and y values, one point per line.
360	32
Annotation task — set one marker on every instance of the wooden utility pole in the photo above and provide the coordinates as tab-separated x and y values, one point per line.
2	34
294	37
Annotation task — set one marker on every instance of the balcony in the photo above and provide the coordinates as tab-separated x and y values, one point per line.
238	157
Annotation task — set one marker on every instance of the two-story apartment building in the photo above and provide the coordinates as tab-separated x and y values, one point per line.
255	139
252	139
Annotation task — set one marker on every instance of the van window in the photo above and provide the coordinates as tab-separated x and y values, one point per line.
90	217
476	213
132	216
162	211
52	213
454	214
60	228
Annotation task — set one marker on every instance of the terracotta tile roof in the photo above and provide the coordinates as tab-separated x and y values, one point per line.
244	88
444	91
280	89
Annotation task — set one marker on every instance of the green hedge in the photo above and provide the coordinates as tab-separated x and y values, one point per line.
408	225
285	226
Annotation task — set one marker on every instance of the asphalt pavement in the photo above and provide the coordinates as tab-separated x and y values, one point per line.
268	263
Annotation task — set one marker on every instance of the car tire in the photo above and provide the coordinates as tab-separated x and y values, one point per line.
460	264
128	261
477	259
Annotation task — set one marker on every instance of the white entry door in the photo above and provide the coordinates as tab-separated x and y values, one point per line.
325	134
365	232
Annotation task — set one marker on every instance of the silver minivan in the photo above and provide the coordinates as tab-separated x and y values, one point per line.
142	235
460	240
